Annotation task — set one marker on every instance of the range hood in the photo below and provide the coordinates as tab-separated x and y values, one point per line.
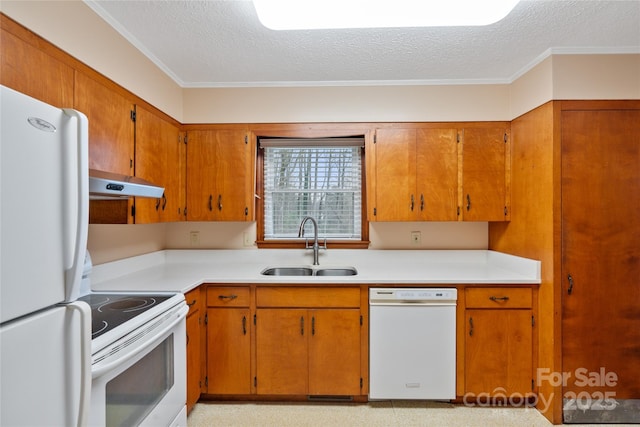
107	185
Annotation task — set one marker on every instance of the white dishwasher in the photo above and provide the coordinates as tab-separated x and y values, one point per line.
412	343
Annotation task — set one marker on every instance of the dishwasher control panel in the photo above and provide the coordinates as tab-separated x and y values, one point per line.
422	295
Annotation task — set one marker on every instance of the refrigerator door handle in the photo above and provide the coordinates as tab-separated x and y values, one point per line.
84	312
76	203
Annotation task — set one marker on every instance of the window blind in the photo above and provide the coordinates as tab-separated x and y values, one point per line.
322	181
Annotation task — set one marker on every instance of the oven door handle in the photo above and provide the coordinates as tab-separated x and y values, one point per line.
101	369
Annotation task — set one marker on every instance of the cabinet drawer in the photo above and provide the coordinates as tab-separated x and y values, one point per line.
228	296
193	300
498	298
325	297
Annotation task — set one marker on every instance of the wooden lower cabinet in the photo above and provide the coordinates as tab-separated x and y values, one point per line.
229	355
498	342
229	323
282	363
308	351
194	348
308	341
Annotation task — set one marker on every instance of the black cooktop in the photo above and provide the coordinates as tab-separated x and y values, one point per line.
108	311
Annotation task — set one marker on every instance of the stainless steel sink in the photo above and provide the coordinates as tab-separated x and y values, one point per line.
288	271
309	271
336	271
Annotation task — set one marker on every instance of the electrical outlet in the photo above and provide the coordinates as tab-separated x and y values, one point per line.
415	237
194	238
246	238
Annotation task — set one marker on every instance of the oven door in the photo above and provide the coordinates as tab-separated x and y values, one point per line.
144	383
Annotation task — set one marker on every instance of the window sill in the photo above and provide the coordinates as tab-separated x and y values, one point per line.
297	244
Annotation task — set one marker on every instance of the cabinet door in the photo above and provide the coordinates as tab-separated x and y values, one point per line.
334	352
29	70
600	251
111	129
233	176
193	358
218	175
158	148
395	179
229	351
437	174
201	161
484	184
498	352
281	351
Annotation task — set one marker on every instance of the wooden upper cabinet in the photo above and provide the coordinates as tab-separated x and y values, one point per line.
416	174
111	128
30	70
437	174
219	175
485	172
159	159
395	174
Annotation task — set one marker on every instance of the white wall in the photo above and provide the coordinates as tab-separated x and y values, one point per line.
347	104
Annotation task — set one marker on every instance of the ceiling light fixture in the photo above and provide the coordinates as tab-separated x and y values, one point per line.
327	14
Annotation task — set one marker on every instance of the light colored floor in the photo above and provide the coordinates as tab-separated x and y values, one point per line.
372	414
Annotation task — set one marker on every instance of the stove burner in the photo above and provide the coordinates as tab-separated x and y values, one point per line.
129	304
109	311
97	331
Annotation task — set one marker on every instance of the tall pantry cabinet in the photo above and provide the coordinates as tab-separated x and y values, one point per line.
576	203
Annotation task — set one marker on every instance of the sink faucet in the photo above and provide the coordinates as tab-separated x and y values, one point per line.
315	246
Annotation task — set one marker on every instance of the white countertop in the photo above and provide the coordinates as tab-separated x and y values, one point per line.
183	270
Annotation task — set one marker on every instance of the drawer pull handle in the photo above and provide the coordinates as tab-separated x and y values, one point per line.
192	303
229	297
499	298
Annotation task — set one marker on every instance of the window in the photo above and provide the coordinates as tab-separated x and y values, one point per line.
321	178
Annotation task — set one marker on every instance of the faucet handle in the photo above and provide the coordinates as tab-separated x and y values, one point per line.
307	245
323	245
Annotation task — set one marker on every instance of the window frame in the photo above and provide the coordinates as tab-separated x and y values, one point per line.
363	243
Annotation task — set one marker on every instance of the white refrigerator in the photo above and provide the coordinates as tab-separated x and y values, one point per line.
45	334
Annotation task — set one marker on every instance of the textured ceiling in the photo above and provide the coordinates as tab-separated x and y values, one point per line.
222	44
